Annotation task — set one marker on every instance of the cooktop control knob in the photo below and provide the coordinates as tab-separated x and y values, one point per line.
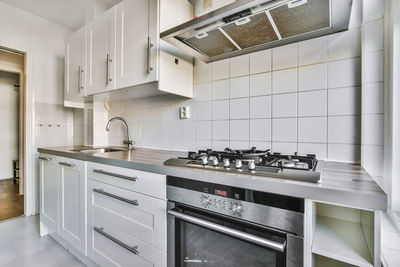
204	160
252	165
214	161
237	209
238	164
227	163
205	201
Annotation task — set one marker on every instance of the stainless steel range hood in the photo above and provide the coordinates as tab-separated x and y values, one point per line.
250	25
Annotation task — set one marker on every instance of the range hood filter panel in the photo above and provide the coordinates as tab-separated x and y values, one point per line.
311	16
258	31
215	43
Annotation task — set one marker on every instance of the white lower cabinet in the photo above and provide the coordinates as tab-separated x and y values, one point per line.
48	192
126	227
104	215
72	226
63	200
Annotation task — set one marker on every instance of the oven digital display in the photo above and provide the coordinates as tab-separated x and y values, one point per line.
221	192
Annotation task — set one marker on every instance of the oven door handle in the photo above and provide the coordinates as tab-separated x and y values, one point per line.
229	231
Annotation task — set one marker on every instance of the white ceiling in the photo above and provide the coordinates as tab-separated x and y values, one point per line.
69	13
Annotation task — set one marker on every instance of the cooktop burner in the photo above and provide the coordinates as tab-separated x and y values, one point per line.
254	162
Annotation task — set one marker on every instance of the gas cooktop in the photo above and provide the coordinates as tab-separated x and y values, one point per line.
254	162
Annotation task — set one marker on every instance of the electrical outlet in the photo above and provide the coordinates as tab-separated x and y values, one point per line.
184	113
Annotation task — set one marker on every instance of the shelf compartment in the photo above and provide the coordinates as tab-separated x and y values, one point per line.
341	240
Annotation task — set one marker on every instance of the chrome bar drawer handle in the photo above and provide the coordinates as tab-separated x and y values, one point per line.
149	46
133	179
134	249
46	159
129	201
67	164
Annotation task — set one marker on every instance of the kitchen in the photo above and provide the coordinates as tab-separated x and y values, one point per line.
205	132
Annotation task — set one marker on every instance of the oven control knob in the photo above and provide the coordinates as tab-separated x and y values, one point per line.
237	209
204	160
227	163
238	164
214	161
205	201
252	165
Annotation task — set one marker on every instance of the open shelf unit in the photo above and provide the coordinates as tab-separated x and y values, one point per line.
341	240
342	236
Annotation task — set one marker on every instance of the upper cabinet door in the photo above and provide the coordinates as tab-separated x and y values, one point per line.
75	60
135	47
102	53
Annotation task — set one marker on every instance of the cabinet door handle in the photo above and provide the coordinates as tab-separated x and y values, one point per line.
149	46
133	179
79	78
101	231
109	78
46	159
129	201
67	164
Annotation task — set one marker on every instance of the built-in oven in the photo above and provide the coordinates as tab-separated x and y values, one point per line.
217	225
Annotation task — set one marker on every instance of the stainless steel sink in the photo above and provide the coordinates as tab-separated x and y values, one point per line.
98	150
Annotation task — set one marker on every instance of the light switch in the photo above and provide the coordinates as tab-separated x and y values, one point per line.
184	113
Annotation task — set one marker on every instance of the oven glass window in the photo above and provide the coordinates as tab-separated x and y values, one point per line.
199	246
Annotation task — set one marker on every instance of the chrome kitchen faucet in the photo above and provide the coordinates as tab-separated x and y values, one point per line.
126	142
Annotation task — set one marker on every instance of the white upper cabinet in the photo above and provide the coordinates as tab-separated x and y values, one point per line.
75	65
101	56
124	51
132	44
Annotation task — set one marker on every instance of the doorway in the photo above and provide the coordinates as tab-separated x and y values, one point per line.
11	134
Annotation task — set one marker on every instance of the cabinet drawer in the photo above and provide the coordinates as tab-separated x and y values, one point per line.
142	182
136	214
112	247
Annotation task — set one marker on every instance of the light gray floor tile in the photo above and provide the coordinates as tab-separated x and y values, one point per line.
21	245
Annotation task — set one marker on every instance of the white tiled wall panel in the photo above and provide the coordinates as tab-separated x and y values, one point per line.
291	98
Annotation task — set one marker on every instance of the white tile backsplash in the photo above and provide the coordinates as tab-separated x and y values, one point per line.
260	130
239	87
260	84
220	90
284	105
373	67
312	103
313	77
284	57
344	130
203	110
284	130
203	130
372	125
239	108
239	66
260	107
313	51
344	101
345	44
220	110
220	130
344	73
312	130
220	70
239	130
260	61
284	81
298	97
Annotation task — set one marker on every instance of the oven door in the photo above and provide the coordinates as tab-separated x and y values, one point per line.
201	238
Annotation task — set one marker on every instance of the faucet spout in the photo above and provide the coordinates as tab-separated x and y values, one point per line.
127	142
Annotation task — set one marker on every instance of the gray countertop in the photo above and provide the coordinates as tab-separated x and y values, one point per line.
342	183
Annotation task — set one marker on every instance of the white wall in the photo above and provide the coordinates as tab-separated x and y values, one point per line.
9	123
46	40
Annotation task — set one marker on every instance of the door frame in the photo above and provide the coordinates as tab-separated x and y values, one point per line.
28	115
